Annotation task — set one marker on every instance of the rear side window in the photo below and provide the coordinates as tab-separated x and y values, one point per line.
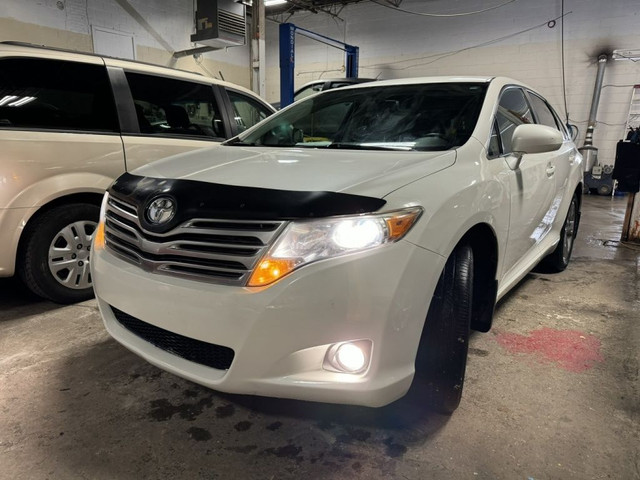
171	107
55	94
543	112
247	112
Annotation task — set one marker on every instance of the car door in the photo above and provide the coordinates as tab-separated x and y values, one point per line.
163	116
58	130
531	184
566	155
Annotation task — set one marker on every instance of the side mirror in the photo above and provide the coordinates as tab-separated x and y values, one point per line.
533	138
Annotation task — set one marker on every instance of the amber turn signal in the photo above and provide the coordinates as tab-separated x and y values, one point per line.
398	225
98	237
269	270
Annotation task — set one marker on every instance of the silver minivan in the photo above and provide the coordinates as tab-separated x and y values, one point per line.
72	122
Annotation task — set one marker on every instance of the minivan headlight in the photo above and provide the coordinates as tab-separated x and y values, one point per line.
305	242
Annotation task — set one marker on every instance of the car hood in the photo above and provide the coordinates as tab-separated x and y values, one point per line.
362	172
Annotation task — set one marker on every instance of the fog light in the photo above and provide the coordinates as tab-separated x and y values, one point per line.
349	357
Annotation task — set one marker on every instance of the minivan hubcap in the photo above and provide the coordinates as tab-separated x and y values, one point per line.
69	255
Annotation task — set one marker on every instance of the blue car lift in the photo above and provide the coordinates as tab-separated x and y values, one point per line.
288	57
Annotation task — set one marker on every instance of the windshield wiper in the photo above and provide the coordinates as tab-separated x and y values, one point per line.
238	142
359	146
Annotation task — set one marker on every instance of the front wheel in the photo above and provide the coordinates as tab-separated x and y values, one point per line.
442	355
55	257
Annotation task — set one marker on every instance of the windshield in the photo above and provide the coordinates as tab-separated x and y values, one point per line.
436	116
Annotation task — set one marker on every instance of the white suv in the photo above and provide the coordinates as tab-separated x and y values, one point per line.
342	245
69	124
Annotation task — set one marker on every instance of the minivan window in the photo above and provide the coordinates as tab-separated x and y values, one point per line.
247	112
171	107
436	116
55	94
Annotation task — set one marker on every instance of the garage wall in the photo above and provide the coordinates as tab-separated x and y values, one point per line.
515	40
165	27
518	40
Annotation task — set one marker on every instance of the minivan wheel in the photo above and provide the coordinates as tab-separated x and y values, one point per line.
56	253
558	260
442	355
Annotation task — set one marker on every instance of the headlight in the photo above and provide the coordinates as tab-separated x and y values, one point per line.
309	241
98	237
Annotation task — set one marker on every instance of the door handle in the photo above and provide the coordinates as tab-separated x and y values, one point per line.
551	169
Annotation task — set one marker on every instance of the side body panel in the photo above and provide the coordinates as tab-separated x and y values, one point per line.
38	167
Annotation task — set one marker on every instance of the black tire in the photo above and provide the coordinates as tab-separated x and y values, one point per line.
558	260
67	229
442	355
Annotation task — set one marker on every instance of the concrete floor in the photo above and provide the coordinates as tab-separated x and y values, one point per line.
551	393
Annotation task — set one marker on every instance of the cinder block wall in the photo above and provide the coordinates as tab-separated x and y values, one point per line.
519	40
43	22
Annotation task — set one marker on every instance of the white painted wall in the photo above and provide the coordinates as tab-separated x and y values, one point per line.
171	24
394	45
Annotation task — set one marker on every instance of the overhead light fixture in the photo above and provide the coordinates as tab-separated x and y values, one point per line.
626	54
267	3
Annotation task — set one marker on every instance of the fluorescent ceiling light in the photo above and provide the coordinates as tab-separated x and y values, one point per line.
626	54
267	3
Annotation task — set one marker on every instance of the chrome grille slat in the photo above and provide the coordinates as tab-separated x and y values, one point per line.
211	250
129	211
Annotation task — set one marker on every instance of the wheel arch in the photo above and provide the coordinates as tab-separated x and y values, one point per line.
92	198
484	244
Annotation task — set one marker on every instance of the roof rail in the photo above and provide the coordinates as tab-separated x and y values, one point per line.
91	54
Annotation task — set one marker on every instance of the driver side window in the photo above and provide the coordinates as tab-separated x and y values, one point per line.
513	110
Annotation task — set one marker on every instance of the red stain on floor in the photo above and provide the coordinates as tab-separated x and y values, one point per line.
570	349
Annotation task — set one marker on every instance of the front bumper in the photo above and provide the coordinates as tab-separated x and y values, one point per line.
281	334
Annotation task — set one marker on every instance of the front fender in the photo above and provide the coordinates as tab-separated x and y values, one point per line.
455	200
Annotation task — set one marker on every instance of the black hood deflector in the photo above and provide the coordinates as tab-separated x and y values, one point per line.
196	199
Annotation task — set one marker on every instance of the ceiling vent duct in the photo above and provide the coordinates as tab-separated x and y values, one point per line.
220	23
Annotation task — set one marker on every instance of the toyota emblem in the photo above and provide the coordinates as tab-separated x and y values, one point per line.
161	210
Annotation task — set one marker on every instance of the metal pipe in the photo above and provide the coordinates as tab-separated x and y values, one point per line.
602	63
258	48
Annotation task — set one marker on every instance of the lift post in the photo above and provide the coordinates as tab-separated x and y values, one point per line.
288	57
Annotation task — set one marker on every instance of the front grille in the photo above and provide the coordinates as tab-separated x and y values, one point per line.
217	251
209	354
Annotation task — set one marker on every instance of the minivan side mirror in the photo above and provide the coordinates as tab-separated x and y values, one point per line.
533	138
